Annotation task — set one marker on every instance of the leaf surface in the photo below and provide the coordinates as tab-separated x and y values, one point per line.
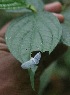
12	4
66	27
37	3
66	57
33	32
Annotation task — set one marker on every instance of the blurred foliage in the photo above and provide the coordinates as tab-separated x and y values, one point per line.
60	81
62	1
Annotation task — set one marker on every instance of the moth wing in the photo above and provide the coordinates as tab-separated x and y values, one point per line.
28	64
37	57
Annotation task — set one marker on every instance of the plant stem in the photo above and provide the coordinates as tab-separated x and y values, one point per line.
32	8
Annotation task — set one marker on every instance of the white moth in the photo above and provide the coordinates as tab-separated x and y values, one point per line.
32	62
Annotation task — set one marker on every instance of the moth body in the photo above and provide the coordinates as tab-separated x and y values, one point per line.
32	62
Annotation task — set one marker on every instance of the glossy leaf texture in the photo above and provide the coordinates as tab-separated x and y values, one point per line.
33	32
12	4
66	27
46	77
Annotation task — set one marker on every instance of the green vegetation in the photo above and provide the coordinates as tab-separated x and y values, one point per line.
33	30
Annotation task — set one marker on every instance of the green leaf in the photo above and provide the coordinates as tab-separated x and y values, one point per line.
66	1
37	3
20	4
66	57
46	77
12	4
32	74
33	32
66	27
